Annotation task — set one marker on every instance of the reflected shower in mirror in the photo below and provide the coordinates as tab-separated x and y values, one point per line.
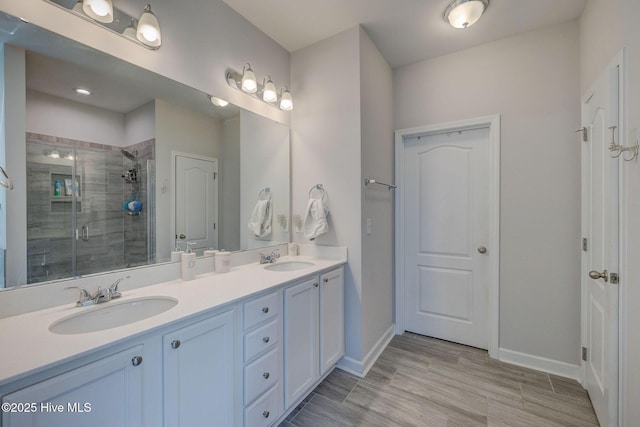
114	166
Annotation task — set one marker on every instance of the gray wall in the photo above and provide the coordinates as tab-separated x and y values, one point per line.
531	80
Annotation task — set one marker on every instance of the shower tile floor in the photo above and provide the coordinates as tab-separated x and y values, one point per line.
421	381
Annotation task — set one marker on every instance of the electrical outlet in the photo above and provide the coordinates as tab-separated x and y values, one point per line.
297	223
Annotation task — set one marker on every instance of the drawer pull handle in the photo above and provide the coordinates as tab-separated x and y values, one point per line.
265	340
266	414
136	360
315	285
266	375
325	280
175	344
265	310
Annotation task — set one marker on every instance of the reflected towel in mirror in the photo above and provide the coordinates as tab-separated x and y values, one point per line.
260	222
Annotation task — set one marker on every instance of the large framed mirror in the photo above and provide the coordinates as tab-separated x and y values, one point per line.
121	177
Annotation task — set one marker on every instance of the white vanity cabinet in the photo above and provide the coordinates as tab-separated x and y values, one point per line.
313	332
105	393
198	378
262	348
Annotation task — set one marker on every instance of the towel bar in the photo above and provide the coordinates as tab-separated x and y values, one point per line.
368	181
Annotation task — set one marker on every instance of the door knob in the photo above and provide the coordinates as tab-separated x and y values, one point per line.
595	275
482	250
182	237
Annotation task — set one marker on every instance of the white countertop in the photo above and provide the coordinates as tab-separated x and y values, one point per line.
29	346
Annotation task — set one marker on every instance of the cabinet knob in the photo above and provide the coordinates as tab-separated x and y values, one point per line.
265	340
175	344
315	285
136	360
266	375
265	310
266	414
325	280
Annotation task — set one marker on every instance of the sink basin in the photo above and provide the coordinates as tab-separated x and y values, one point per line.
288	266
112	314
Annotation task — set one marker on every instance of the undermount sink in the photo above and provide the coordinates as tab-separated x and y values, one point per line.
112	314
288	266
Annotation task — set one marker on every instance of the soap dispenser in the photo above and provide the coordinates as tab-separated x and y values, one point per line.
188	263
176	254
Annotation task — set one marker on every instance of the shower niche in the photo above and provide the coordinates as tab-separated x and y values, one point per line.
64	186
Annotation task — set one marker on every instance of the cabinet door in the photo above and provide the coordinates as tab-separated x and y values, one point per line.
105	393
300	339
198	373
331	319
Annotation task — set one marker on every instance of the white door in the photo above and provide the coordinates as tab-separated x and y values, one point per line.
600	259
196	208
446	225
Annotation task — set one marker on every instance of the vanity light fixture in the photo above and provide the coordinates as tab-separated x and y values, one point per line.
100	10
218	102
465	13
69	156
53	154
265	92
149	28
82	91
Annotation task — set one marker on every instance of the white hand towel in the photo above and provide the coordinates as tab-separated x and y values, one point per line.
260	222
315	220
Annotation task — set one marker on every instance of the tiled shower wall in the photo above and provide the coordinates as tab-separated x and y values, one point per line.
115	239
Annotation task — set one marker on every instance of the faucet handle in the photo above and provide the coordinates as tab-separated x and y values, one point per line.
85	297
113	289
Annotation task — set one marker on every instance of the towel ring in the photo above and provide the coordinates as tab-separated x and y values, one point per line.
320	188
7	183
265	192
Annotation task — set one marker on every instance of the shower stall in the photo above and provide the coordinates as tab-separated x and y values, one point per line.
90	207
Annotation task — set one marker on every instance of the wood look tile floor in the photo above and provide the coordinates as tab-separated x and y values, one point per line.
421	381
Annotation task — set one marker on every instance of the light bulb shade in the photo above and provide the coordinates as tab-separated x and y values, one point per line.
269	91
54	154
218	102
148	31
100	10
465	13
249	83
286	102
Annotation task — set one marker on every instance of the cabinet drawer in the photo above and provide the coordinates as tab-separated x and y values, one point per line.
261	375
265	410
260	309
261	339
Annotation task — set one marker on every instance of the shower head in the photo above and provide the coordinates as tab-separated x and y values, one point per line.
129	155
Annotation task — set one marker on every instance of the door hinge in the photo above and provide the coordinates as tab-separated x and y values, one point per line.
614	278
215	176
584	244
214	225
584	353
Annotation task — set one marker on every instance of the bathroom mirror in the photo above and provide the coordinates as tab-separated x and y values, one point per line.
118	178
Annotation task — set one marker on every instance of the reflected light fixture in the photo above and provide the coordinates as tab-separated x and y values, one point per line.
286	102
465	13
82	91
69	156
269	92
100	10
54	154
249	82
218	102
148	31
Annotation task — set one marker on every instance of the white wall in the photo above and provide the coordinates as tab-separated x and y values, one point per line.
140	124
201	40
229	194
325	149
264	162
531	81
376	95
178	129
51	115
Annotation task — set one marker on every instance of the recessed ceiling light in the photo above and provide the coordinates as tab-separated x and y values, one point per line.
218	102
82	91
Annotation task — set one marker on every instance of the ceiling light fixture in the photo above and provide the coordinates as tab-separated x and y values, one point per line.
218	102
465	13
82	91
149	28
265	92
100	10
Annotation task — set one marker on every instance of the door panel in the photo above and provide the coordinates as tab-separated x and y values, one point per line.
446	220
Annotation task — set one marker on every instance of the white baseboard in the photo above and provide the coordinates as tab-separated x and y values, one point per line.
556	367
361	367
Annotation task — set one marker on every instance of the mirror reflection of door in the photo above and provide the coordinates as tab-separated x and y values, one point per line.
196	207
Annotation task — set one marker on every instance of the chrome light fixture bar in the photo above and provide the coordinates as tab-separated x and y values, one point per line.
465	13
144	31
265	92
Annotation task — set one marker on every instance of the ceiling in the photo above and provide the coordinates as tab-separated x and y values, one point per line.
405	31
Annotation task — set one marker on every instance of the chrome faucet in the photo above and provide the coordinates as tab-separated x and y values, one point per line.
101	295
267	259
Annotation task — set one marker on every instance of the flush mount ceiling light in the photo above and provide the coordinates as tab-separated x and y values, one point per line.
465	13
265	92
100	10
149	28
82	91
218	102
